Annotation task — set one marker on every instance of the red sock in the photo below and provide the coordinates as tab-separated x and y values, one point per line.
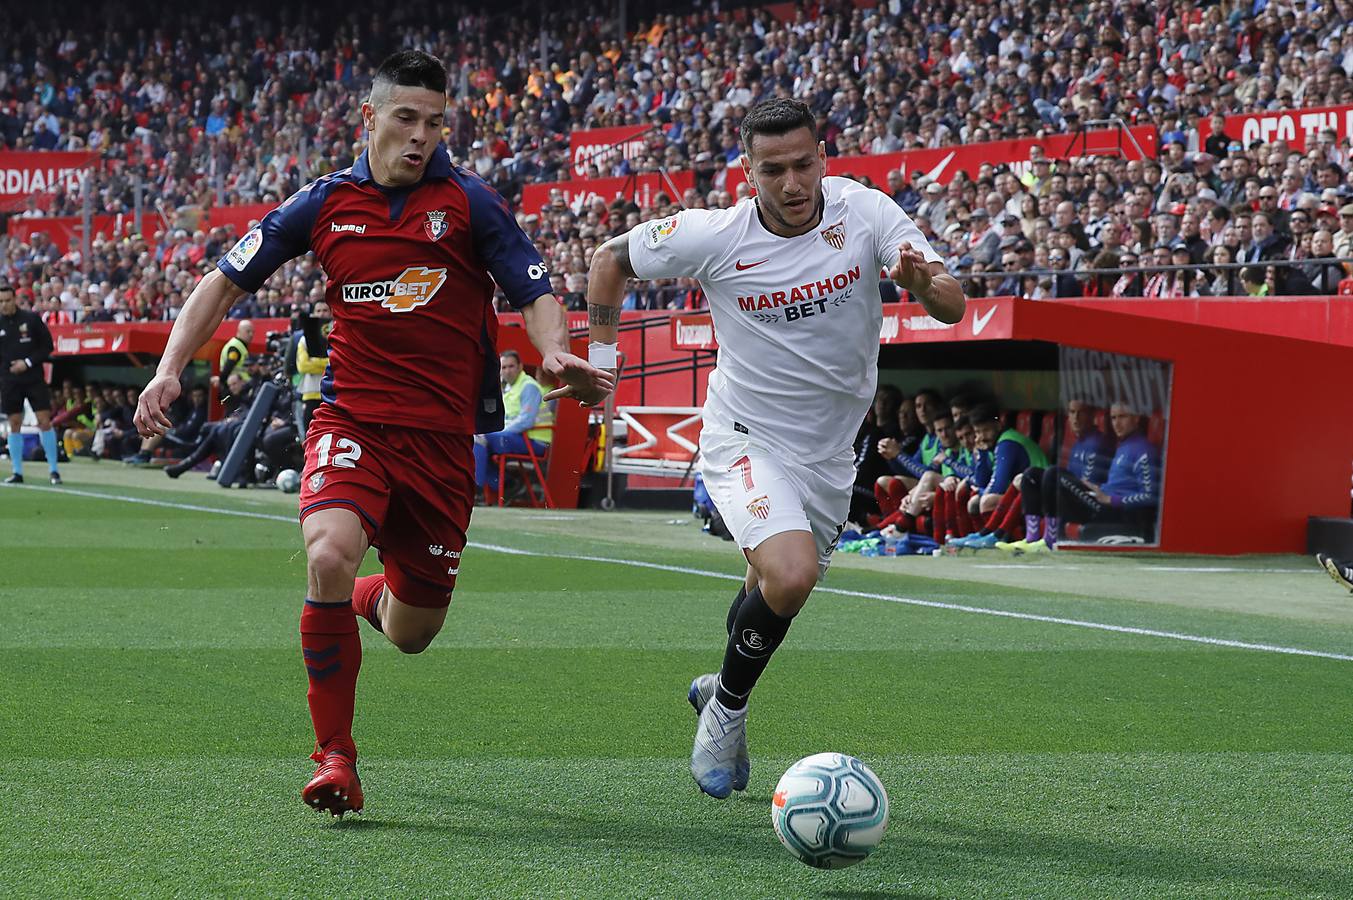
893	518
366	598
333	656
998	514
961	509
1013	521
885	502
897	492
938	517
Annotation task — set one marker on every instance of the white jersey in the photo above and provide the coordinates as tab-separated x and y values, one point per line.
797	319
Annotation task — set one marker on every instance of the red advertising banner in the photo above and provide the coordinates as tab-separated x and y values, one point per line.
27	172
148	337
239	216
942	162
65	230
589	147
578	194
1296	126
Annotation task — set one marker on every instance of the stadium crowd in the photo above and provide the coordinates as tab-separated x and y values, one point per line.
249	107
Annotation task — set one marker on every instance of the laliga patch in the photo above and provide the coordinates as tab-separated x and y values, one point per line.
660	231
245	250
316	482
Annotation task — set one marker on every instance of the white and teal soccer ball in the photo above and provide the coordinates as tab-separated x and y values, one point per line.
288	481
829	810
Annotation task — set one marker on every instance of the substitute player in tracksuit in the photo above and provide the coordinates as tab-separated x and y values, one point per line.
412	246
25	344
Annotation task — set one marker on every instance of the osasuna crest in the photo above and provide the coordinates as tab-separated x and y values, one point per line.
835	236
435	226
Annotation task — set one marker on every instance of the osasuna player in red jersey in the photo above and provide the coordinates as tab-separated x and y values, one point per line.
412	246
792	281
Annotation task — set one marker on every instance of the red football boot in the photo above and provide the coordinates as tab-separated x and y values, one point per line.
335	785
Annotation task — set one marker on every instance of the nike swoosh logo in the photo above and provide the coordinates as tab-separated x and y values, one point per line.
743	268
980	322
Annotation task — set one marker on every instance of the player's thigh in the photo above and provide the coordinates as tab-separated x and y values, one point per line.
754	494
11	403
39	396
433	495
335	542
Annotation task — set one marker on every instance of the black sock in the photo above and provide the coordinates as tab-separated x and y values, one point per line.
737	602
757	631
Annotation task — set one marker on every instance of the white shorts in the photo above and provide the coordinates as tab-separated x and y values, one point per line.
761	493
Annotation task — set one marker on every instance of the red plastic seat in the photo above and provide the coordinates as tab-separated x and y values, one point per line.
529	463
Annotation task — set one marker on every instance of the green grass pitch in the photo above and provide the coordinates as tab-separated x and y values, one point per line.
154	735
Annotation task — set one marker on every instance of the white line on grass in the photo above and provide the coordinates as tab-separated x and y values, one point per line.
684	570
1201	570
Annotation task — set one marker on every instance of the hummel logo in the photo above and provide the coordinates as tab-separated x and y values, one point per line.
355	229
741	267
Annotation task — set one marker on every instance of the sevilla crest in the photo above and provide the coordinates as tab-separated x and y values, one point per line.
835	236
435	226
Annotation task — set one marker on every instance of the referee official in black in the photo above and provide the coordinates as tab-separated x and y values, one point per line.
25	344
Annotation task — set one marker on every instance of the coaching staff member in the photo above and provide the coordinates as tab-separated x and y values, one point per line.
25	344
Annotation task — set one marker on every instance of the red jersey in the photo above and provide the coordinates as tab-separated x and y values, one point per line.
410	284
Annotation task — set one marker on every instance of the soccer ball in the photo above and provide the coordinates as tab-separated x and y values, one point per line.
829	810
288	481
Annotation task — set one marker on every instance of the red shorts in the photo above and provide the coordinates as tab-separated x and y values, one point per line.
412	489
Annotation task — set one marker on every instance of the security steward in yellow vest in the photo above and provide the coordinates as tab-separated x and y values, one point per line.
527	415
233	355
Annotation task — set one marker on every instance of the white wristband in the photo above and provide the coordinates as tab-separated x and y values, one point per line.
603	356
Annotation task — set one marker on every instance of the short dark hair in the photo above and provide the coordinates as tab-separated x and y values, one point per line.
985	412
1253	274
775	117
411	68
512	353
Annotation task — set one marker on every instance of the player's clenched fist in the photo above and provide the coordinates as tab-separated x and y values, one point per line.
151	410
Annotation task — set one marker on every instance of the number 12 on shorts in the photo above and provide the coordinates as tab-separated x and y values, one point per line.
346	457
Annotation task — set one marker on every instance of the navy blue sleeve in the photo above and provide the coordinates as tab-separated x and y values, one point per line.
507	252
1010	461
909	465
283	234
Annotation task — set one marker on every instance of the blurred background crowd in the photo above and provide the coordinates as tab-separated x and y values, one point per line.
246	106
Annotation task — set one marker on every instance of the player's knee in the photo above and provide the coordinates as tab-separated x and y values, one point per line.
787	589
330	560
413	640
883	481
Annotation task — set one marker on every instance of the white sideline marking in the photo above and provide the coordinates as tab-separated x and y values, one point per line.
684	570
1203	570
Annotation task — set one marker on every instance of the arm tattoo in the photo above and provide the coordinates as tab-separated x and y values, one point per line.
620	252
597	314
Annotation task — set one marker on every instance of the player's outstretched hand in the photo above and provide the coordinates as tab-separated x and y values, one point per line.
911	272
578	379
152	409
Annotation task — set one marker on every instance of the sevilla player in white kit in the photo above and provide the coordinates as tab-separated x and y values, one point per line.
792	278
